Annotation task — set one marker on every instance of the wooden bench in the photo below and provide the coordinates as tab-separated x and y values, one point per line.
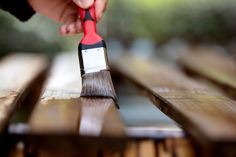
58	122
206	115
61	120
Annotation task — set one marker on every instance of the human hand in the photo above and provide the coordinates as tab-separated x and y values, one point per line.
65	11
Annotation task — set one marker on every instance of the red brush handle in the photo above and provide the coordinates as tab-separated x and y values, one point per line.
88	20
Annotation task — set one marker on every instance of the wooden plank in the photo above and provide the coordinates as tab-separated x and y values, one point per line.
183	148
146	148
135	148
131	149
171	147
63	116
61	109
163	150
212	65
205	114
21	75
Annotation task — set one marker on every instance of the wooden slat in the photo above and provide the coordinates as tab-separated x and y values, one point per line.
61	109
175	147
205	114
21	75
183	148
146	148
216	67
135	148
62	112
163	151
131	149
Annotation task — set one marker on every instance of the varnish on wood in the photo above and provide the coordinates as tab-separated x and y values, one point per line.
212	65
205	114
22	76
62	110
63	124
62	116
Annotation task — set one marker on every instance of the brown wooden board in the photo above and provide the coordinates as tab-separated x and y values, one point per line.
170	147
62	120
22	76
215	66
205	114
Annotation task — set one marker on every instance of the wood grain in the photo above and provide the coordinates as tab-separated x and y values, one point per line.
21	75
212	65
74	123
61	110
205	114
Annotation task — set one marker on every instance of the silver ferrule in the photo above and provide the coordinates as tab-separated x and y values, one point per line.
93	60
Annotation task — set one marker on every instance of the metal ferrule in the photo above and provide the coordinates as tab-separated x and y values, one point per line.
93	60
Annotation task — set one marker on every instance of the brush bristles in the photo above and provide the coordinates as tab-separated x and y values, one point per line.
98	84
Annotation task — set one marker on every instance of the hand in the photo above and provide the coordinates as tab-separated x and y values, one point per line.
65	11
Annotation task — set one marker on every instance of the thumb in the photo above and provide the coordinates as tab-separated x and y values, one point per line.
83	3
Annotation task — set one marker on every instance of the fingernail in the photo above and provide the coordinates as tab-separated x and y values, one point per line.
85	3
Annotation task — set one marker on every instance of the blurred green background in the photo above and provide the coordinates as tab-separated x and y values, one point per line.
159	21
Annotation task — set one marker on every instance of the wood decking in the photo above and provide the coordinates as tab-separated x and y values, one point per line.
57	121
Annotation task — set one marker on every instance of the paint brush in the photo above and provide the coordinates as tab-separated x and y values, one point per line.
96	77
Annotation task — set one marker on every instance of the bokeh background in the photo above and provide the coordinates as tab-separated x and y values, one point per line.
164	28
150	24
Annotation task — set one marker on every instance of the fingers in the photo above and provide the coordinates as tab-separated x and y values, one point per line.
70	29
72	26
100	7
83	3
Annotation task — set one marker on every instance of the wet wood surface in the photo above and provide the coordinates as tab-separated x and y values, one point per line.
63	124
212	65
22	76
61	110
62	116
205	114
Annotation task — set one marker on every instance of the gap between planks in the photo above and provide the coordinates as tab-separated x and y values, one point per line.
62	111
206	115
22	76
